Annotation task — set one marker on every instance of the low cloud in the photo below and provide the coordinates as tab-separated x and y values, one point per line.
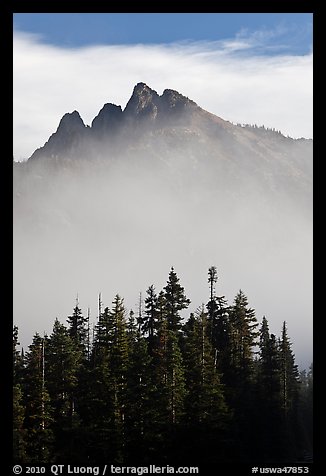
228	78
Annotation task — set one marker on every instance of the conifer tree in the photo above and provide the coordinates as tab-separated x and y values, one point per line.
104	333
140	401
168	375
289	373
205	399
269	422
97	406
175	301
38	416
119	360
306	413
149	325
175	378
206	411
241	390
243	325
78	328
218	327
19	433
63	369
18	361
269	363
289	394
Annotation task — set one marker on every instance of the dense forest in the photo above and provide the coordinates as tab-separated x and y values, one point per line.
154	387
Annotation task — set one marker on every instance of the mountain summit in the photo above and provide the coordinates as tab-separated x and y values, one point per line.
146	103
173	133
144	109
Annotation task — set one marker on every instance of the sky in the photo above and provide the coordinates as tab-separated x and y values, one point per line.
80	29
246	68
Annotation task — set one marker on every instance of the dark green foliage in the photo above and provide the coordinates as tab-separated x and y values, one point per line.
240	393
156	390
289	374
289	392
219	328
63	364
140	393
205	402
306	412
243	326
175	301
269	364
269	424
78	328
18	359
38	413
19	432
150	321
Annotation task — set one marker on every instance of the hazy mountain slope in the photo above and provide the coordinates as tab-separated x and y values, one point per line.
112	206
174	135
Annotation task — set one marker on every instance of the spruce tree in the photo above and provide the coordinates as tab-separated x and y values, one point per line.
289	373
18	361
218	327
62	371
289	394
306	413
140	401
38	416
269	422
243	324
205	400
206	410
168	374
175	381
175	301
97	406
241	390
269	363
151	316
119	360
78	329
19	433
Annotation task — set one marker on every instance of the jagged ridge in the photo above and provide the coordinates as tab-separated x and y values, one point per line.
144	108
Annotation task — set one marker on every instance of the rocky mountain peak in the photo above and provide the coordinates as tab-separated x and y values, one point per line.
176	100
66	139
144	102
108	119
169	120
71	122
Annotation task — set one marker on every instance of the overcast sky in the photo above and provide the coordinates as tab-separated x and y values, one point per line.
246	68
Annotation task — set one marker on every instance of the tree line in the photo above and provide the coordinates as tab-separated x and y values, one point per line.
154	388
